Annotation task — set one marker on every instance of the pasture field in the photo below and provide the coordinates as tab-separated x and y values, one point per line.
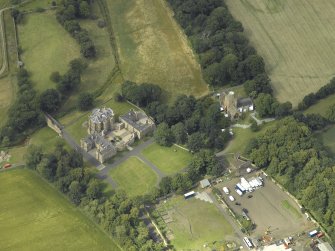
134	177
295	39
169	160
152	47
194	223
35	217
43	48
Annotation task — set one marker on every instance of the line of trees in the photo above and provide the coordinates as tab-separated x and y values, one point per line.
24	114
117	214
289	151
68	14
225	54
312	98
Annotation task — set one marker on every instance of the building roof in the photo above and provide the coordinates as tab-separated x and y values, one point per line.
204	183
100	115
275	247
137	119
325	246
99	140
242	102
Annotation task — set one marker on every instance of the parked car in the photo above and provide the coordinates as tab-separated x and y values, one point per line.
226	190
231	198
249	196
244	210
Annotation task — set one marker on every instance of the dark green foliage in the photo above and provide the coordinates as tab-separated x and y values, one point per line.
24	114
118	97
179	133
50	100
72	78
141	94
85	101
163	135
55	77
67	15
225	54
254	127
17	15
116	214
312	98
313	121
290	151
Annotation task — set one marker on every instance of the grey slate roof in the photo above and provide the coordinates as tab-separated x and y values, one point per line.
242	102
132	118
101	114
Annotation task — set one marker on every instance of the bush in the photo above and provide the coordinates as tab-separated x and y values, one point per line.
85	101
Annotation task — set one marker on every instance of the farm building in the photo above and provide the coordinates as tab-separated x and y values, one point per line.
205	183
325	246
233	107
275	247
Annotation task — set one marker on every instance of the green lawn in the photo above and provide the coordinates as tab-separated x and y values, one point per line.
291	209
169	160
153	48
243	136
44	49
34	216
134	177
195	223
321	106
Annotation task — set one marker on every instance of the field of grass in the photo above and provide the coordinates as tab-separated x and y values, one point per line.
195	223
243	136
169	160
35	217
134	177
295	39
44	49
291	209
152	47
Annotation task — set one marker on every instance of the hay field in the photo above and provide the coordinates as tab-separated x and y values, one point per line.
152	47
296	39
34	216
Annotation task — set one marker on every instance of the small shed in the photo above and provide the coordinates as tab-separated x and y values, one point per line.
205	183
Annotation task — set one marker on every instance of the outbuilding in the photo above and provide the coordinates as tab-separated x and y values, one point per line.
205	183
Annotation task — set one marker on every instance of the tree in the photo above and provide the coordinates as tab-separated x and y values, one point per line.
265	104
75	192
50	100
163	135
330	113
195	142
78	65
55	77
165	185
33	156
84	9
94	190
46	168
85	101
254	126
179	133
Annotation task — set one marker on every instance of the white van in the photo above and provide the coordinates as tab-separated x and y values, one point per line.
231	198
226	190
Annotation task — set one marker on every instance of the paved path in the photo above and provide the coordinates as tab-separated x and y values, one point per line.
261	121
244	126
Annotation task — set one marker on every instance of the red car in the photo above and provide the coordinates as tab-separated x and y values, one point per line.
7	165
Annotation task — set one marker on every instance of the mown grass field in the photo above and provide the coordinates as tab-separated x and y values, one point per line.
134	177
295	39
195	223
169	160
46	48
152	47
35	217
